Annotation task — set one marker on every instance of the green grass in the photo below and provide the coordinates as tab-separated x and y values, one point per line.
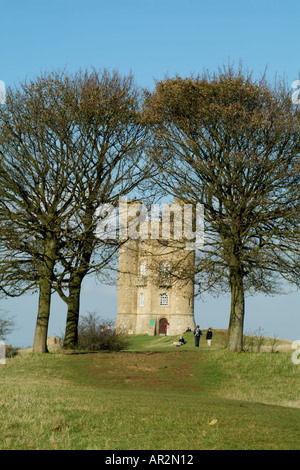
164	343
152	396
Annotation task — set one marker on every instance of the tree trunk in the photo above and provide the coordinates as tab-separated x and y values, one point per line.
237	313
45	285
71	333
41	330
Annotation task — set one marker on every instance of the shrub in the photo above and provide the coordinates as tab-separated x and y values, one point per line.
6	325
255	339
96	334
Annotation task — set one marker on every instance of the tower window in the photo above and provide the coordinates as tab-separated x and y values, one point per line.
165	278
164	269
142	300
144	269
164	300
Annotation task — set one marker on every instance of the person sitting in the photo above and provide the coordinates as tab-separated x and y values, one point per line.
180	342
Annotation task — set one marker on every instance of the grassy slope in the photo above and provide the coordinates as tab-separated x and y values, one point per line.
153	396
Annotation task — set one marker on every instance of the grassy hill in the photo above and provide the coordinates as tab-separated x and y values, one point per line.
164	343
151	396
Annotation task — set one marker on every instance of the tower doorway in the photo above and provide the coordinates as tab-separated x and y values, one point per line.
162	324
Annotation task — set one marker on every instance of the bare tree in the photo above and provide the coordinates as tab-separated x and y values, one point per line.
114	138
7	324
37	186
67	145
232	144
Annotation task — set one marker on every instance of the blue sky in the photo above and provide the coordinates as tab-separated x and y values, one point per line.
151	38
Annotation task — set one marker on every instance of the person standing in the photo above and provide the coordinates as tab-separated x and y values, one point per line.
197	334
209	335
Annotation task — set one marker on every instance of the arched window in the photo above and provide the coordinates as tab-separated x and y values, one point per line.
143	268
164	269
164	300
165	274
142	300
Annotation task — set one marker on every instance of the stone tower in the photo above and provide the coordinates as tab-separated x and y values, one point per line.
155	287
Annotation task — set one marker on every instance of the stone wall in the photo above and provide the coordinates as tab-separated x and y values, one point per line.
155	282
